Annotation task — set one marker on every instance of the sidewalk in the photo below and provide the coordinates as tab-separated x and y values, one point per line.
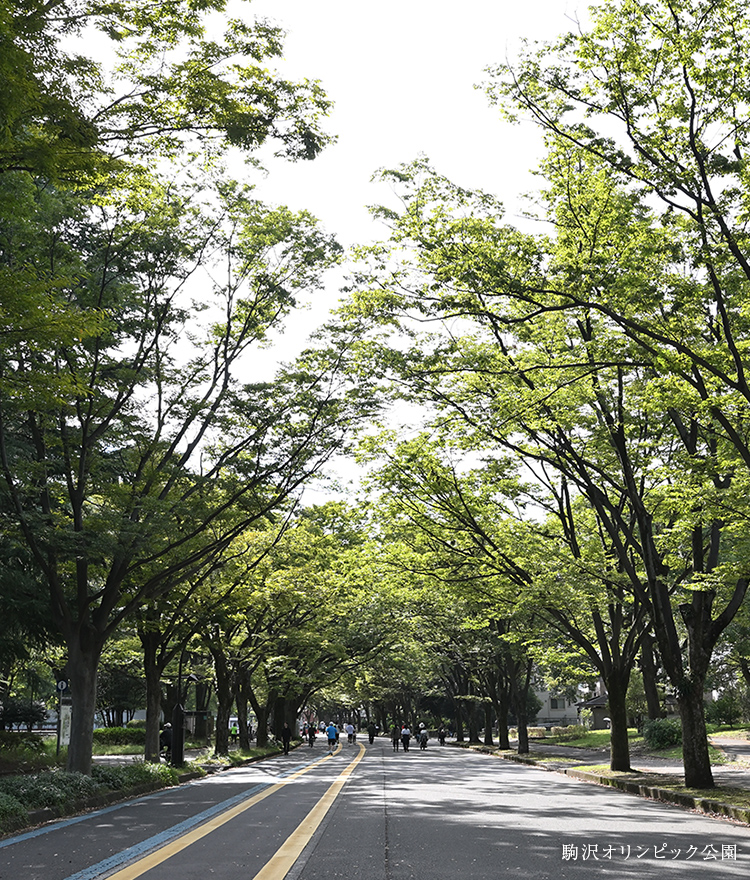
733	775
651	777
119	760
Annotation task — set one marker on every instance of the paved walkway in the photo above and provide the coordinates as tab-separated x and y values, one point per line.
118	760
735	774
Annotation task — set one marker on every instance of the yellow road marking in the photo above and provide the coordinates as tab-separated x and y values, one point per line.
166	852
281	862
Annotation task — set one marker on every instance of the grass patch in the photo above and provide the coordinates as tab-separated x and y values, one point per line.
590	739
22	761
730	732
555	759
114	749
716	756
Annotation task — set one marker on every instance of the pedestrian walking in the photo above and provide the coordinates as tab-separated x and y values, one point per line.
286	737
350	733
311	735
396	737
371	731
405	737
441	734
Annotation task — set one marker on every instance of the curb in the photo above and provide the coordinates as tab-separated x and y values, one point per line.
665	795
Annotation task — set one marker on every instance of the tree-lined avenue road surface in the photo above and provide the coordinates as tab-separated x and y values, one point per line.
373	814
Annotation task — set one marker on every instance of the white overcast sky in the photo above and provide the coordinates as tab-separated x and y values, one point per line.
402	74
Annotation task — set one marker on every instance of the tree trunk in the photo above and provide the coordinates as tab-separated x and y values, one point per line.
619	756
459	721
170	700
745	669
241	701
501	710
648	671
82	669
152	672
278	717
292	710
261	713
261	737
202	704
224	699
523	730
474	722
488	741
382	718
520	681
695	755
223	713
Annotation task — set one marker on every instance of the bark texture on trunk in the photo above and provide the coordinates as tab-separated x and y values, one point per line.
152	672
488	741
695	754
153	714
648	670
224	698
619	756
82	669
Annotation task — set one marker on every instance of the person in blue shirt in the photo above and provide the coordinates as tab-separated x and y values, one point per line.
332	733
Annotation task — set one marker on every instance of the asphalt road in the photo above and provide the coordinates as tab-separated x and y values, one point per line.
370	814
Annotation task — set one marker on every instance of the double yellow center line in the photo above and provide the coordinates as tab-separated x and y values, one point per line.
281	862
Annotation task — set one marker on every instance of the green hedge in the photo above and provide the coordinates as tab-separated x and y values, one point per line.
58	788
21	742
132	774
572	731
120	736
726	710
51	788
12	812
662	733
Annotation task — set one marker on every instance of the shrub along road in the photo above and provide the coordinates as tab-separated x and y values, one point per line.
369	813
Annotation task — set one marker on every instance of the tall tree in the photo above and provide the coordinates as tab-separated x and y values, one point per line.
531	573
120	476
552	379
656	93
171	82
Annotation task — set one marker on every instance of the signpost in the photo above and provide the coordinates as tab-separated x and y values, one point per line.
64	715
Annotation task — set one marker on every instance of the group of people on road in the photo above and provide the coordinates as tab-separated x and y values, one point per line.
401	734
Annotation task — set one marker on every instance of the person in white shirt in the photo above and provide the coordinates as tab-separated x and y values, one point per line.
405	737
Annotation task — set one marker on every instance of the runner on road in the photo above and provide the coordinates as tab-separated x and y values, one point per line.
332	733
